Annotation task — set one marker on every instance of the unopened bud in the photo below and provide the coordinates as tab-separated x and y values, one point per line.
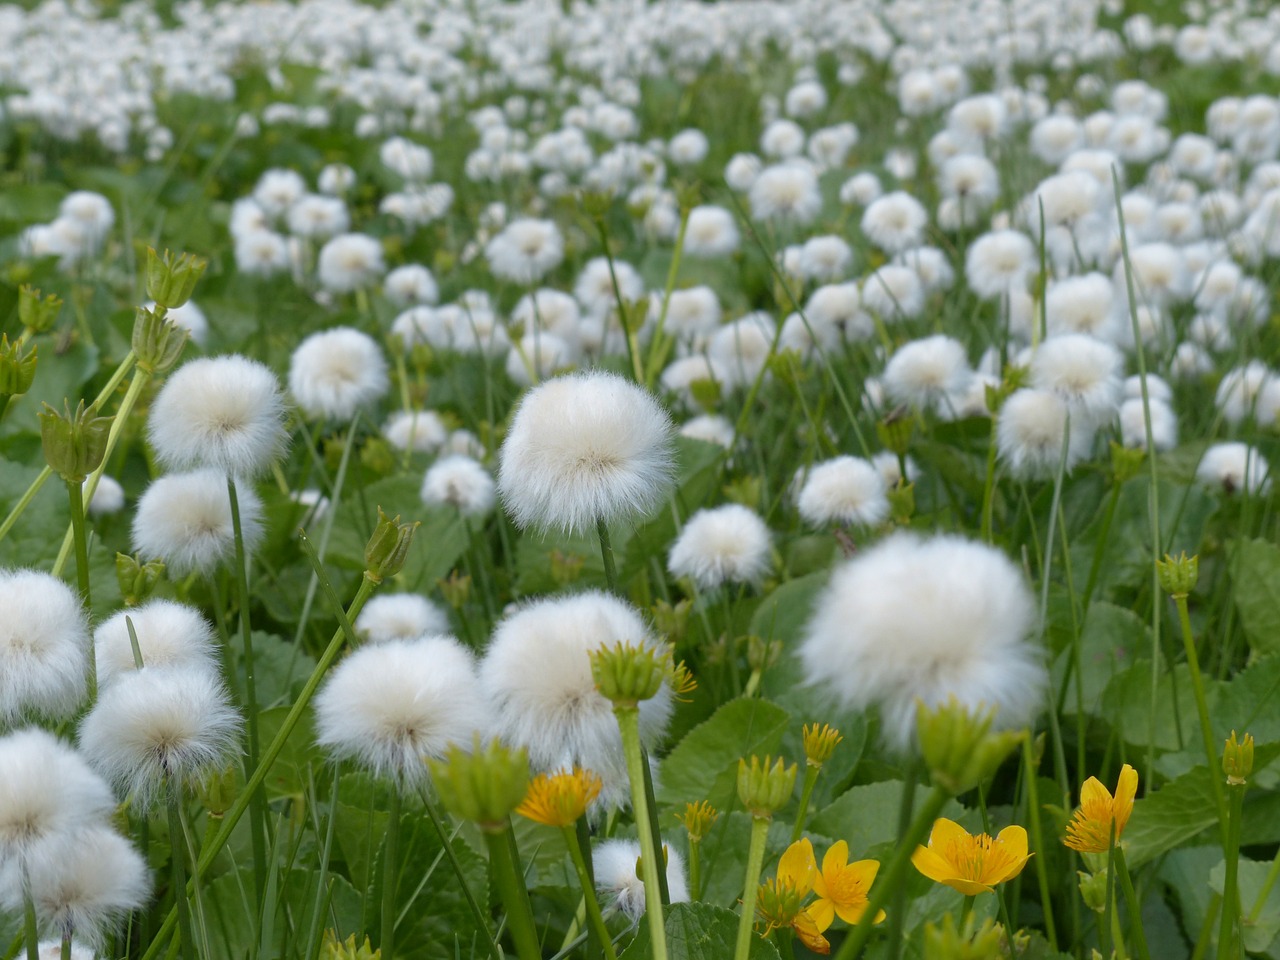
566	567
335	949
456	589
74	443
672	620
819	743
35	313
946	941
958	745
172	279
697	819
17	368
1178	576
483	785
626	674
220	790
895	430
1237	759
1126	462
1093	889
764	788
137	580
157	341
387	549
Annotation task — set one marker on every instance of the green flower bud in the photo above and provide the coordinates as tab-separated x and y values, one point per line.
483	785
1093	889
566	567
157	341
456	590
626	674
596	203
376	454
947	942
1178	576
1237	759
1126	462
333	949
902	502
706	393
137	580
34	313
688	195
958	745
74	443
763	788
170	279
747	491
220	790
895	431
762	654
672	620
17	368
387	549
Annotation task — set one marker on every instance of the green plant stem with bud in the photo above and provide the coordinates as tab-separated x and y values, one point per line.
587	882
650	855
515	898
1230	932
178	865
811	772
755	863
31	931
390	874
75	493
606	556
1202	708
1135	908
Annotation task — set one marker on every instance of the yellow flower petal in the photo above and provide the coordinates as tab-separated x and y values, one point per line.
798	867
822	912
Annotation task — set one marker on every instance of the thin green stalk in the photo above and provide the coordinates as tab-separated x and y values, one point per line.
898	903
628	330
178	863
1105	929
650	856
806	792
594	916
344	633
606	554
989	485
695	869
651	805
1037	837
446	843
1201	949
257	800
755	863
1095	568
391	872
75	493
31	930
891	878
660	343
1265	892
1135	908
66	946
510	883
1230	935
1202	708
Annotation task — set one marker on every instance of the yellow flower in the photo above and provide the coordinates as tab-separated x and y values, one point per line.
819	743
559	799
971	864
1090	828
842	887
780	902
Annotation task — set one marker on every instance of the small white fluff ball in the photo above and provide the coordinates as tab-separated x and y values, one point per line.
618	881
400	616
169	634
44	647
459	482
334	373
728	544
184	519
846	490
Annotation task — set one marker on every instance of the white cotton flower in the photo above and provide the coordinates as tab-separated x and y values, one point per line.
392	705
594	287
912	620
536	677
409	160
1234	468
1133	424
1082	304
806	98
1085	372
839	305
52	950
159	726
710	232
741	171
861	189
786	192
1159	275
927	373
584	448
336	179
277	190
688	148
728	544
826	257
890	468
525	251
1066	199
1239	393
318	217
846	490
1055	138
459	482
411	284
189	317
1031	429
262	253
537	356
742	348
224	413
334	373
782	139
169	634
893	292
999	262
44	647
82	883
692	314
617	876
46	789
895	222
680	377
709	428
931	265
92	212
420	430
400	616
350	261
108	497
184	519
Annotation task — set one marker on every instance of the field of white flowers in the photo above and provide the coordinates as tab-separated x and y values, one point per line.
607	480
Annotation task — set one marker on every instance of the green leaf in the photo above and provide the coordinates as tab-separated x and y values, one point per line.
698	931
704	765
1256	576
1110	640
867	816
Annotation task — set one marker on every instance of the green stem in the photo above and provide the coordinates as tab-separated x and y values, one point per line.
1229	932
806	792
1037	837
345	632
660	343
1202	708
1135	908
892	877
510	883
1265	892
390	865
66	946
633	346
967	908
695	869
257	799
1099	551
75	493
178	863
606	554
594	916
481	920
651	804
1104	931
755	863
989	486
31	929
898	903
650	857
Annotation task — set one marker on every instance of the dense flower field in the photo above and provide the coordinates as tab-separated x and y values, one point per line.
616	480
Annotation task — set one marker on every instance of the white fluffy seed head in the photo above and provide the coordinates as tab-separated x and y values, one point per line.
728	544
334	373
846	490
225	413
461	483
618	878
999	262
349	261
1234	468
391	705
913	619
1133	424
1085	372
169	634
895	222
932	372
45	789
44	647
108	497
582	448
536	675
184	519
420	430
159	725
82	883
400	616
1030	431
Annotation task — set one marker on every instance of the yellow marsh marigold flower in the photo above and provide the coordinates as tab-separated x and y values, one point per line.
1090	828
971	864
819	743
780	902
842	887
559	799
697	819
